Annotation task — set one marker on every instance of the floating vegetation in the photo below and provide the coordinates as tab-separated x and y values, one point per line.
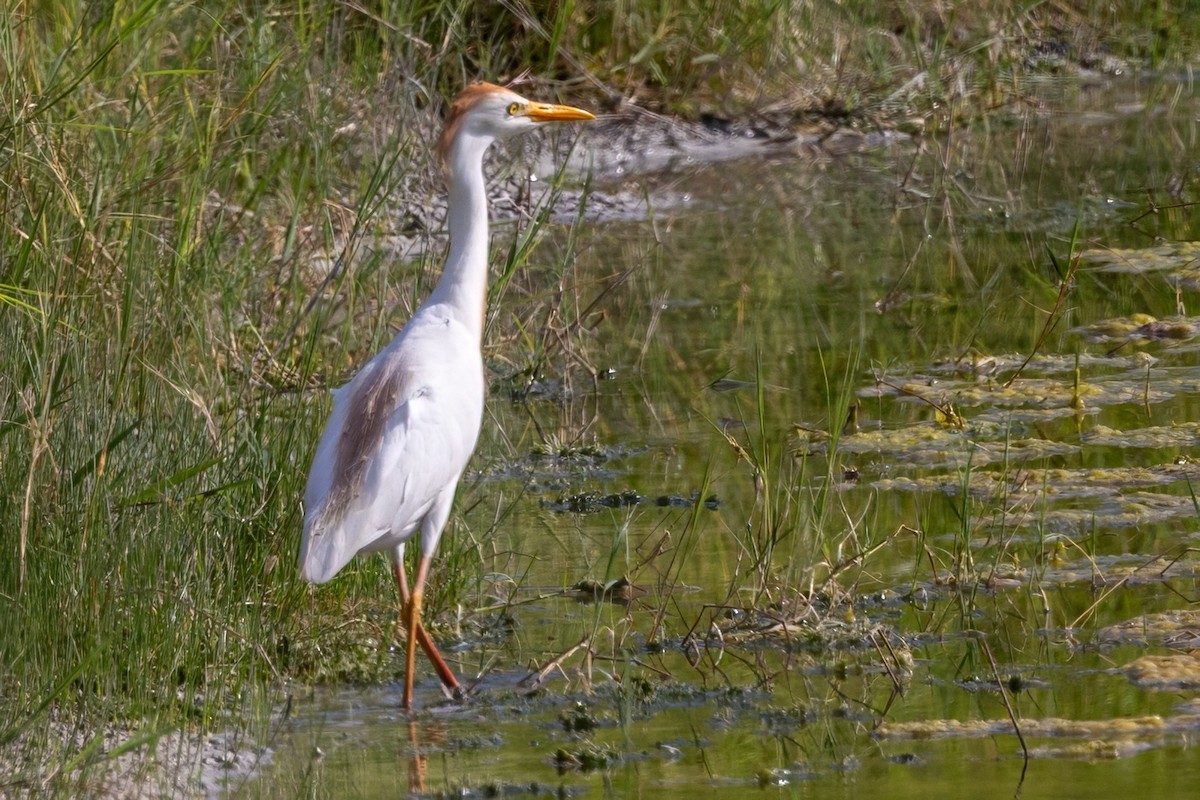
619	591
592	502
991	365
555	448
1025	393
1100	571
1051	497
1184	434
1095	750
578	719
524	388
1117	512
586	758
1141	328
1112	728
555	462
1050	484
1159	258
936	446
1165	673
1175	628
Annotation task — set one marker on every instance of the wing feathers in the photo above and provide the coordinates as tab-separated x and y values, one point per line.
369	408
397	440
333	532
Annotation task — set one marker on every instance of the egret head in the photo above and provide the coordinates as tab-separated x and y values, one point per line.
484	113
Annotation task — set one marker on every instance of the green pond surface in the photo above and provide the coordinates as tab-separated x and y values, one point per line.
860	609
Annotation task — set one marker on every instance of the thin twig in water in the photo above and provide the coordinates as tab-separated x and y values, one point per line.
1066	282
857	558
534	680
1105	594
876	638
946	410
987	651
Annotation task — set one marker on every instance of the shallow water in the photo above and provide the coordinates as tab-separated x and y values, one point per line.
979	534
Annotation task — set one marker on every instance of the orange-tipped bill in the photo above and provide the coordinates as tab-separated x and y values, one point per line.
549	112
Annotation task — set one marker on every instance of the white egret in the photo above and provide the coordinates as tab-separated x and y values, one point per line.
401	431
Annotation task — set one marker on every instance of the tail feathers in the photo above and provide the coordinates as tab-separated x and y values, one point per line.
324	550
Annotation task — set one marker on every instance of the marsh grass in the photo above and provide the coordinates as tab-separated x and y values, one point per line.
157	211
197	201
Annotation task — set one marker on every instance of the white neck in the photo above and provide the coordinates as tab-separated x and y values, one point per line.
463	285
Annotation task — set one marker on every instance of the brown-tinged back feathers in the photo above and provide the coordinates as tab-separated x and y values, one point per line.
371	406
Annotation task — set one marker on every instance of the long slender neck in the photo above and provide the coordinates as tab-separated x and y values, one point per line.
463	285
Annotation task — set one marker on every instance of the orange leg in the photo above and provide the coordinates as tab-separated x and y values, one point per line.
416	632
412	613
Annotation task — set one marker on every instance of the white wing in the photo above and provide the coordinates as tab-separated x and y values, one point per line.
397	441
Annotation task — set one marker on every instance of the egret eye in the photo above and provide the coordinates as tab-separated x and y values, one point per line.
513	108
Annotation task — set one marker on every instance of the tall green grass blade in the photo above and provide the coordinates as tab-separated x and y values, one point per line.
158	492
